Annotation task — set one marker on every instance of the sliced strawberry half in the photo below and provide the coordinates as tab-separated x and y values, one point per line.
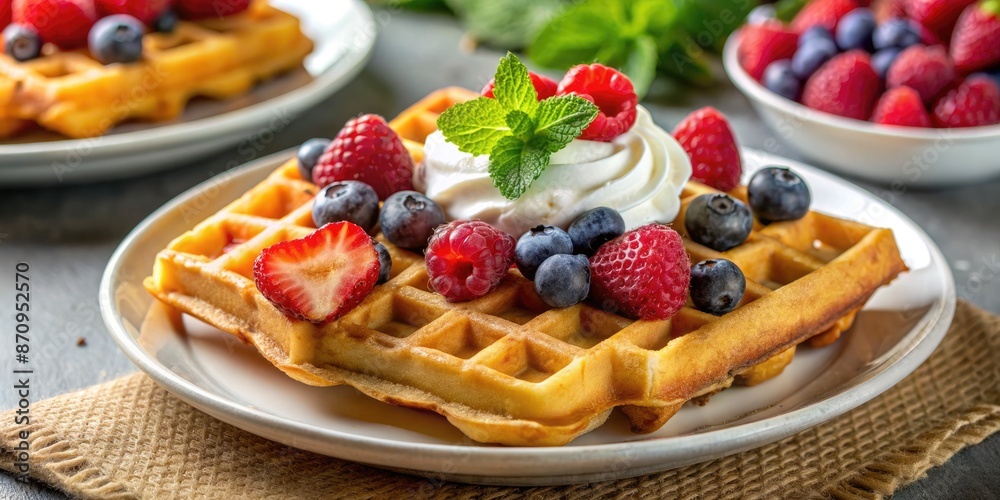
611	91
321	277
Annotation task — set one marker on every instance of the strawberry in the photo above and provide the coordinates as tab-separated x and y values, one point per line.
613	94
545	87
939	16
974	103
762	44
901	106
976	44
366	150
928	70
5	13
202	9
715	157
643	273
825	13
468	259
65	23
846	85
321	277
146	11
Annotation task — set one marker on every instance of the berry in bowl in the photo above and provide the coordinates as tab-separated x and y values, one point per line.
905	93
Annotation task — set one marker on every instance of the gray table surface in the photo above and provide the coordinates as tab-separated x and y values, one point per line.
67	233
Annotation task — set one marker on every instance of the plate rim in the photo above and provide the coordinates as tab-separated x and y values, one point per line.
532	465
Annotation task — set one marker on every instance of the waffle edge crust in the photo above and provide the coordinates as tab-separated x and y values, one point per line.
74	95
505	368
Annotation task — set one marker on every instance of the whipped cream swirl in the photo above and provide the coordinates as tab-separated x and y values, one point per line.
640	173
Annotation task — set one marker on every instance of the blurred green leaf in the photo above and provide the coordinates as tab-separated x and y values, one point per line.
640	65
685	60
710	22
787	9
508	24
421	5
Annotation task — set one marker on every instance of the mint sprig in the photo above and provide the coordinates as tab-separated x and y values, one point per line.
515	129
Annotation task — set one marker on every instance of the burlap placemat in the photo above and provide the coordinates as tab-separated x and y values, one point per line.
129	438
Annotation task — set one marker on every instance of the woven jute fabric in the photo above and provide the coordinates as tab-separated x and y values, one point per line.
129	438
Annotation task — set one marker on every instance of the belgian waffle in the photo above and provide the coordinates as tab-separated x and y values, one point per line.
77	96
505	368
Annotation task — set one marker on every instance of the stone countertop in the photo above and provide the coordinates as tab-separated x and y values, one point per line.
68	233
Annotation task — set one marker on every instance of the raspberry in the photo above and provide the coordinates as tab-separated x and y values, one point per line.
846	85
65	23
201	9
974	103
644	273
146	11
928	70
901	106
825	13
544	86
468	259
367	150
763	44
708	140
613	94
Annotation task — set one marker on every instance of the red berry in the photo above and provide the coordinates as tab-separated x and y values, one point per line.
976	44
825	13
5	13
928	70
938	16
468	259
321	277
762	44
65	23
613	94
709	141
901	106
367	150
643	273
845	86
146	11
201	9
544	86
974	103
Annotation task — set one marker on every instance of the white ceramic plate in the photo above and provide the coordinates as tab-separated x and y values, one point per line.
897	330
898	156
344	32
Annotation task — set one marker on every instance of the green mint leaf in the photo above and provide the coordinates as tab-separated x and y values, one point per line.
560	119
576	36
514	165
474	126
521	124
506	24
513	88
640	66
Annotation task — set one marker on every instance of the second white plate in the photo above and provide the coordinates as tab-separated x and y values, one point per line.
344	32
895	332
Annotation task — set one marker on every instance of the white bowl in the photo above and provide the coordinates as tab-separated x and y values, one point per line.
898	156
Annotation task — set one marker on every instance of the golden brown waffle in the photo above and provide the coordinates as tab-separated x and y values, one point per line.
77	96
506	368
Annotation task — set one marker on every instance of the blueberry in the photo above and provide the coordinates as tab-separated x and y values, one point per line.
308	156
809	57
718	221
815	33
761	14
994	74
883	59
353	201
117	39
898	33
167	22
777	194
594	228
540	243
854	31
384	263
563	280
780	79
21	42
408	219
717	286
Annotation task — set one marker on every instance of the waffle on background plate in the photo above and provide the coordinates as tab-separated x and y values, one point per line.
506	368
77	96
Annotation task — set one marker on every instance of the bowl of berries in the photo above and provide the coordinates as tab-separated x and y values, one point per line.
906	92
